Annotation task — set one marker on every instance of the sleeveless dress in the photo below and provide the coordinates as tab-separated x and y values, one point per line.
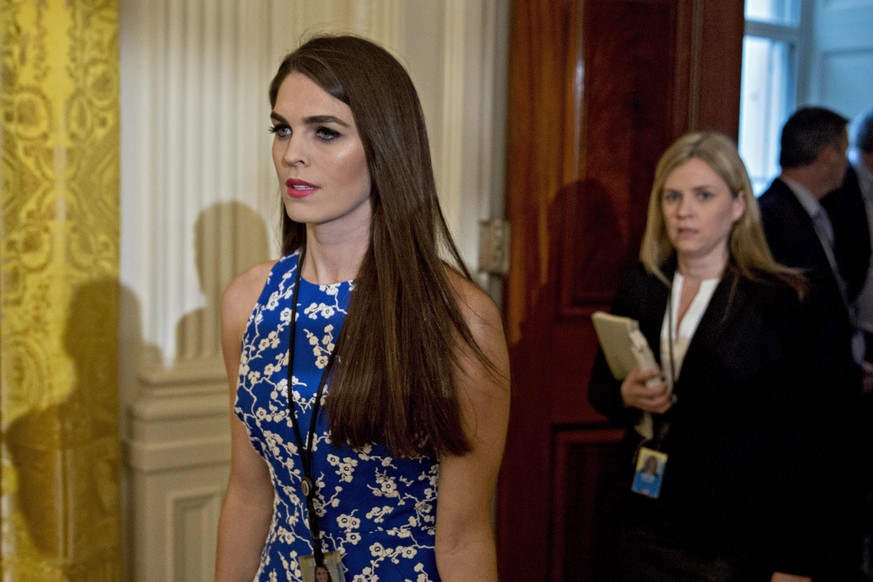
377	511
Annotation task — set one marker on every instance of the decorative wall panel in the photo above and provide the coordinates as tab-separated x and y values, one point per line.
59	254
196	181
627	56
192	512
589	477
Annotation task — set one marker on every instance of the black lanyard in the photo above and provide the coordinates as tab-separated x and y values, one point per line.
662	425
308	485
670	340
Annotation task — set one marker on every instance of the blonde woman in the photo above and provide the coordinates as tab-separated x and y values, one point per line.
726	324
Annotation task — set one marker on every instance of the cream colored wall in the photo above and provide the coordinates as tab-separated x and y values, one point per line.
199	203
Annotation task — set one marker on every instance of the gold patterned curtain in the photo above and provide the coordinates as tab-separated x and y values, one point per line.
59	254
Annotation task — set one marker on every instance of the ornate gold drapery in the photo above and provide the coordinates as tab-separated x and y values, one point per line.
59	255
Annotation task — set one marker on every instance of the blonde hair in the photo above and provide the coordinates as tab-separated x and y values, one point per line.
747	245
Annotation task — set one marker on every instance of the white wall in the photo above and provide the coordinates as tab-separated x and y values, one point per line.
199	203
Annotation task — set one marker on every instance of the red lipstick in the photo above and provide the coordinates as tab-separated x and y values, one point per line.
299	188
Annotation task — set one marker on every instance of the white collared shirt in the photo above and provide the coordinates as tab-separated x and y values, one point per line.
681	335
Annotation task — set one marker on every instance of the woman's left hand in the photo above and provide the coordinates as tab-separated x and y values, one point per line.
636	392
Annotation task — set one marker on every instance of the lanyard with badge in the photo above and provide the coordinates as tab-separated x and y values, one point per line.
308	486
650	461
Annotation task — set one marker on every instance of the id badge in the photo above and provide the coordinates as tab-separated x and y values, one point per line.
331	571
649	472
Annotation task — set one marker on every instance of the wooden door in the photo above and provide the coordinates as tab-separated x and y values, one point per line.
598	89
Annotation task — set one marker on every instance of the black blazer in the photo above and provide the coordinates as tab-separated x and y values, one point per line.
737	477
838	423
794	242
848	213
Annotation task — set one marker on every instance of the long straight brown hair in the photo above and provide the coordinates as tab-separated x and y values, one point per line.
394	380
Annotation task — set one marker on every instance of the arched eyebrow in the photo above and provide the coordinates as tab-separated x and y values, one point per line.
700	188
311	120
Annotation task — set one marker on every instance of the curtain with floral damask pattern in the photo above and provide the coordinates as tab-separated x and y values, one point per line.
59	256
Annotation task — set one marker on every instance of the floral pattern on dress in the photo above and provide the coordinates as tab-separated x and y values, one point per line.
378	511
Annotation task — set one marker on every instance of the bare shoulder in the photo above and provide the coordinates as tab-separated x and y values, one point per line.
479	310
482	380
240	297
485	323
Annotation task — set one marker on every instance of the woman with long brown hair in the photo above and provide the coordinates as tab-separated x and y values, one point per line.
368	373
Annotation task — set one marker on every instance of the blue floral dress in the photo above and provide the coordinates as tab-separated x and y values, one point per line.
376	510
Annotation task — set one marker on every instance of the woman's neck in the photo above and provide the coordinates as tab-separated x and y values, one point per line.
332	259
700	270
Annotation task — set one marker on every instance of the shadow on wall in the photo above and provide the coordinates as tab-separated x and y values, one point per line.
71	493
590	255
229	238
67	456
595	249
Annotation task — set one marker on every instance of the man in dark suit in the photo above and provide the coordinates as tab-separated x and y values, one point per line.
848	214
858	186
801	235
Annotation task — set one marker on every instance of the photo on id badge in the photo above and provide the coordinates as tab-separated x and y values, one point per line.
331	571
649	473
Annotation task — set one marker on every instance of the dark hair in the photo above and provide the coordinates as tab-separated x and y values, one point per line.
394	382
862	135
329	577
806	132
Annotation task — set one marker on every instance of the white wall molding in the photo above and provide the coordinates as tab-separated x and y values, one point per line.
190	148
177	515
186	373
379	19
191	512
450	172
183	454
